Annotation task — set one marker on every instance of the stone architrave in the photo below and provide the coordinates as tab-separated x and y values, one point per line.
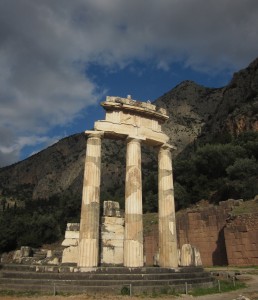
168	252
89	225
133	242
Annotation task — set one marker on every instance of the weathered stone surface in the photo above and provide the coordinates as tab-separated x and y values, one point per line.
203	227
89	225
167	222
241	236
70	255
25	251
111	209
73	227
113	221
71	235
127	117
113	255
187	256
71	242
197	257
17	256
133	244
112	237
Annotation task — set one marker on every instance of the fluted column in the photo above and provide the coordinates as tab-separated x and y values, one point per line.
133	240
167	222
89	225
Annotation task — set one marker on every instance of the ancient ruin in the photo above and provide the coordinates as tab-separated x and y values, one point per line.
136	123
108	256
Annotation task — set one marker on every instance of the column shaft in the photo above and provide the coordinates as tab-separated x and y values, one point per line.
168	255
133	243
89	224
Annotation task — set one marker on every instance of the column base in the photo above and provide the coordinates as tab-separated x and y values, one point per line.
88	253
133	254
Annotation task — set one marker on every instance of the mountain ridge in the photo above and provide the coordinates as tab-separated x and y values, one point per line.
197	113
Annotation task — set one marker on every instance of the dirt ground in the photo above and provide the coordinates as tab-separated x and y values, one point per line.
251	292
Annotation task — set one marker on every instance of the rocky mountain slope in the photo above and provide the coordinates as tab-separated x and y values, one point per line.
190	106
238	109
196	112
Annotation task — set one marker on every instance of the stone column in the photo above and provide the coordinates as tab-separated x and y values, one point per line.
168	252
89	225
133	243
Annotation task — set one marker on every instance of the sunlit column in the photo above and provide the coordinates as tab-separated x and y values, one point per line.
167	223
89	224
133	243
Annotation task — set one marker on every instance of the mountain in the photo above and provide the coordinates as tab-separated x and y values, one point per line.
237	111
196	113
190	107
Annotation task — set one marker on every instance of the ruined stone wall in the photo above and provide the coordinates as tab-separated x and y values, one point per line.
241	236
203	227
151	246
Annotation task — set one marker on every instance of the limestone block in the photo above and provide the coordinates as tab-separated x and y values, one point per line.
113	243
70	255
54	261
17	256
179	257
71	234
25	251
111	209
49	253
112	255
197	257
112	229
73	226
190	256
113	220
156	259
187	256
70	242
112	239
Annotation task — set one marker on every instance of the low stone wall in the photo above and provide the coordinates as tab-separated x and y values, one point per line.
241	236
220	238
203	227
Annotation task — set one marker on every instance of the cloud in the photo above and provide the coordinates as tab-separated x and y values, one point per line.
47	46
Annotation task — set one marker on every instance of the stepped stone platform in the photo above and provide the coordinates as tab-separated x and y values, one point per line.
110	280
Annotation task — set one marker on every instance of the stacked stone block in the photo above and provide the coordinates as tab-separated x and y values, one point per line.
241	235
203	227
112	235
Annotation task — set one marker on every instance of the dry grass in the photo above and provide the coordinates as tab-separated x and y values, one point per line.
247	207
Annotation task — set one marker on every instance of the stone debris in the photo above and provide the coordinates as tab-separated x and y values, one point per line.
29	256
190	256
71	235
112	235
240	297
111	209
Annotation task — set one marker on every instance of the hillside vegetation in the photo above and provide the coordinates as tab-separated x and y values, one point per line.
215	131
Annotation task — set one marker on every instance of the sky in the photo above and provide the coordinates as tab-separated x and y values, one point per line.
60	58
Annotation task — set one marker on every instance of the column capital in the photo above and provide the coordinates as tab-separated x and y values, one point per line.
167	147
94	133
136	137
